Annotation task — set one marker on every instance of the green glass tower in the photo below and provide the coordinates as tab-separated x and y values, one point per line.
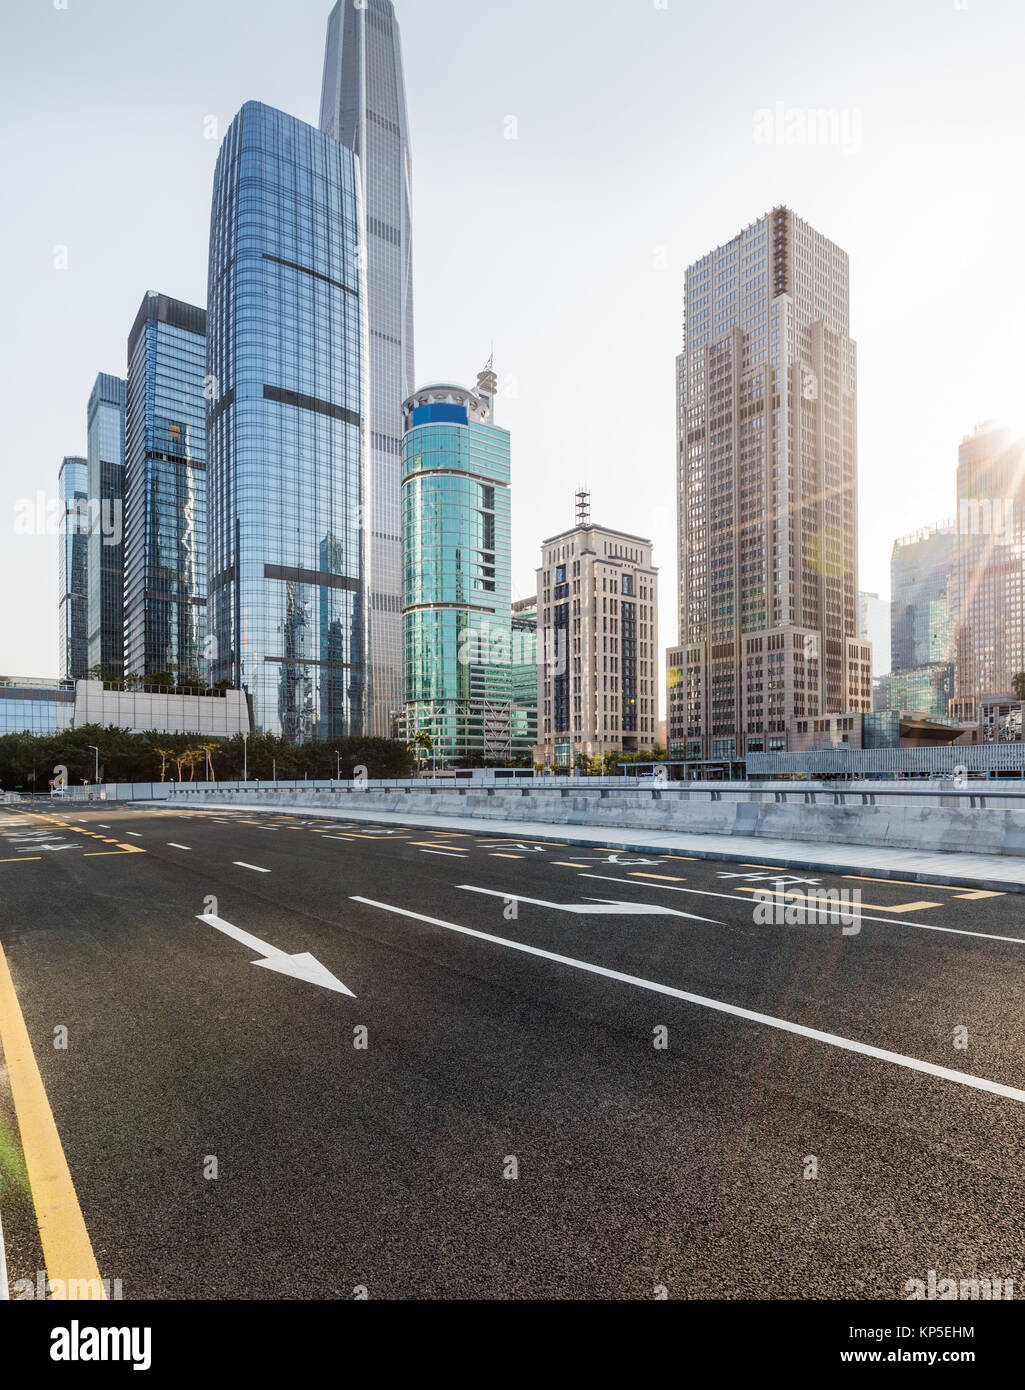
456	602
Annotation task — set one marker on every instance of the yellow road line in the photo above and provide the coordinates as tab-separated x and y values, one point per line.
966	894
561	864
669	878
494	855
27	859
67	1249
873	907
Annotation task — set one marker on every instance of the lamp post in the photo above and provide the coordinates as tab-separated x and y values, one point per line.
245	757
92	748
338	766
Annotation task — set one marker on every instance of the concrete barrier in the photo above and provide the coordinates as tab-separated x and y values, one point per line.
962	827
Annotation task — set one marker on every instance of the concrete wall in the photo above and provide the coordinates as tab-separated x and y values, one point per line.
945	822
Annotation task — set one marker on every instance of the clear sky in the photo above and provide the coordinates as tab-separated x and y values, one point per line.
636	152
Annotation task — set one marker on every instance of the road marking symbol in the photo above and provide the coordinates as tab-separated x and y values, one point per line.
717	1005
300	967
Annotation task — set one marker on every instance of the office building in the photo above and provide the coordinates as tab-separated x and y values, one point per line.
363	105
598	671
921	570
986	604
874	628
165	492
768	525
106	468
286	344
456	603
73	570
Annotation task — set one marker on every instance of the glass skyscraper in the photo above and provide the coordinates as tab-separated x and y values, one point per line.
165	491
106	449
457	612
363	105
286	340
73	638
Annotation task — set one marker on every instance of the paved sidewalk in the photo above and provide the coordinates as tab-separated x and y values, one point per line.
1001	873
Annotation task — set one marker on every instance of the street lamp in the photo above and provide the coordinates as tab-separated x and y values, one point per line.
245	757
92	748
338	766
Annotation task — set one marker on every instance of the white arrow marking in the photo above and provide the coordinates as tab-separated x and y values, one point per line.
300	967
595	907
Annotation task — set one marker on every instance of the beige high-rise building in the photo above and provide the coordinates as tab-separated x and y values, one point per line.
597	644
986	604
768	524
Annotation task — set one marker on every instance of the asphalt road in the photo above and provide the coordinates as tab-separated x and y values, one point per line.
520	1123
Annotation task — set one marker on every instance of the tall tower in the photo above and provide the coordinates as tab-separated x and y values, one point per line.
286	349
165	491
363	105
106	563
767	400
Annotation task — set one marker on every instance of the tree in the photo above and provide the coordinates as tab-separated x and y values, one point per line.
1018	686
420	743
208	750
164	754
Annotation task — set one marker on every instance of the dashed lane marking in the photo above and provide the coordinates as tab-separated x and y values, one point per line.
255	867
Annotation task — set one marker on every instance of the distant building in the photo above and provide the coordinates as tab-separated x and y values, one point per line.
106	469
598	673
921	575
988	605
456	604
73	564
874	627
165	491
524	677
50	707
923	689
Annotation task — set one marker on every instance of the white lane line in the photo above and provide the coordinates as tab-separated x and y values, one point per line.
347	838
171	845
767	1020
862	916
4	1292
255	867
445	853
135	833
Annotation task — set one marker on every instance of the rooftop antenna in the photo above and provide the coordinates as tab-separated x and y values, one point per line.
584	507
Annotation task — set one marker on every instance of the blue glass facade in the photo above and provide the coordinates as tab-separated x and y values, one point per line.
36	709
165	492
286	339
457	616
363	105
73	577
106	449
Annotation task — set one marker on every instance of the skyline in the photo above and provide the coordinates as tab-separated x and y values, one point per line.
931	301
